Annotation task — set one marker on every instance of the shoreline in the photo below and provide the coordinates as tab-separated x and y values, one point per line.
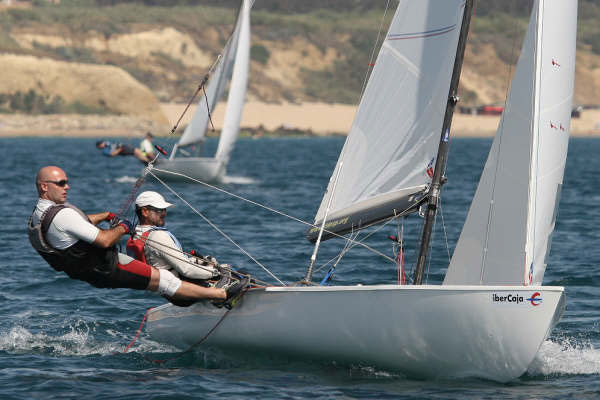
315	119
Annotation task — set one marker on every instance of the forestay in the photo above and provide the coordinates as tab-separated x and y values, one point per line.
195	131
390	151
507	235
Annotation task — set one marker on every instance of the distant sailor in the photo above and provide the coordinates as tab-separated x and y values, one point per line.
70	242
146	147
112	149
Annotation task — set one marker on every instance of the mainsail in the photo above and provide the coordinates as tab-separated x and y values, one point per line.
190	143
237	91
507	235
389	154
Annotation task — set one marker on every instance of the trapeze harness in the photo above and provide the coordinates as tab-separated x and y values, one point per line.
135	249
135	246
84	261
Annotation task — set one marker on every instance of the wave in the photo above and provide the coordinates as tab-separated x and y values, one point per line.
566	357
81	338
126	179
239	180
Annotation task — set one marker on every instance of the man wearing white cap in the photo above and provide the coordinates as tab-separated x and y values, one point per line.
155	245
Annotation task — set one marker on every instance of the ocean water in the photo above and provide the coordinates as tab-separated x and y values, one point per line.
64	339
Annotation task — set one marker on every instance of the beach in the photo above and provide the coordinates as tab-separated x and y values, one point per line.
318	119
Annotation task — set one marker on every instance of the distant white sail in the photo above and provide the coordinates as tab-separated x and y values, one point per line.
195	131
237	90
396	131
507	235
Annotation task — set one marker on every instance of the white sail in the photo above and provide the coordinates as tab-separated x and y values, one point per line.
195	131
237	90
507	235
395	134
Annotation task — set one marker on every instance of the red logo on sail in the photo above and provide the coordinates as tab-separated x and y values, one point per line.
430	169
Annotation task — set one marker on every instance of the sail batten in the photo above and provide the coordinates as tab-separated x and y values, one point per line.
392	144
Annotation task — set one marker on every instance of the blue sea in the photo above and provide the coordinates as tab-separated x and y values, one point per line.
63	339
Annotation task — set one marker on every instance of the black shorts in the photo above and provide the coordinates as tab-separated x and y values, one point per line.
126	150
134	275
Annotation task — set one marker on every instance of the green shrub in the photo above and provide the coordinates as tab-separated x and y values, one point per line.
260	53
33	103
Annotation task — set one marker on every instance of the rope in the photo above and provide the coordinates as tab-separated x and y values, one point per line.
198	89
138	331
273	210
155	244
216	227
189	349
444	228
371	64
129	200
212	126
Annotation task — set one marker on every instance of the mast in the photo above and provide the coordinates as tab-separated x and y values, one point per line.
440	163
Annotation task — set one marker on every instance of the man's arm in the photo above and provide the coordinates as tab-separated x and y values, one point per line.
165	247
68	220
103	216
109	237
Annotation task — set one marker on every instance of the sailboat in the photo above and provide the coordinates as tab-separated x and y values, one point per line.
185	157
491	313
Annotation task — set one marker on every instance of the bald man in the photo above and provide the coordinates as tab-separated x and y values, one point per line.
70	241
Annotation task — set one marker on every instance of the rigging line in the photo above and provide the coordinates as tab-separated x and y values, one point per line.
444	229
429	252
129	200
200	87
161	247
216	228
362	90
358	243
192	263
208	109
192	347
274	210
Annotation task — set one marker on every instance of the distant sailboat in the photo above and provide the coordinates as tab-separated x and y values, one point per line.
491	314
185	158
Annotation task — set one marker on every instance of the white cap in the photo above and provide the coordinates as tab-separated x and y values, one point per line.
153	199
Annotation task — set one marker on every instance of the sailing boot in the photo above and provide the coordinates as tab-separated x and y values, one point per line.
235	292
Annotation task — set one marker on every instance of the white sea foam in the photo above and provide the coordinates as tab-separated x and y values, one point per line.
566	358
126	179
238	180
80	340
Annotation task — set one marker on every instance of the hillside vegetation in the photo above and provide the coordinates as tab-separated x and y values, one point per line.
100	56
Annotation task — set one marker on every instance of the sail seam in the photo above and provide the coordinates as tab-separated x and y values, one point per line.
420	35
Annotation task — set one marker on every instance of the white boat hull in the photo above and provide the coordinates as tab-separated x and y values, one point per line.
205	169
429	331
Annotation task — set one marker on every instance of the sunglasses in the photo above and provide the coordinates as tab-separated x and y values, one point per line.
156	210
61	183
